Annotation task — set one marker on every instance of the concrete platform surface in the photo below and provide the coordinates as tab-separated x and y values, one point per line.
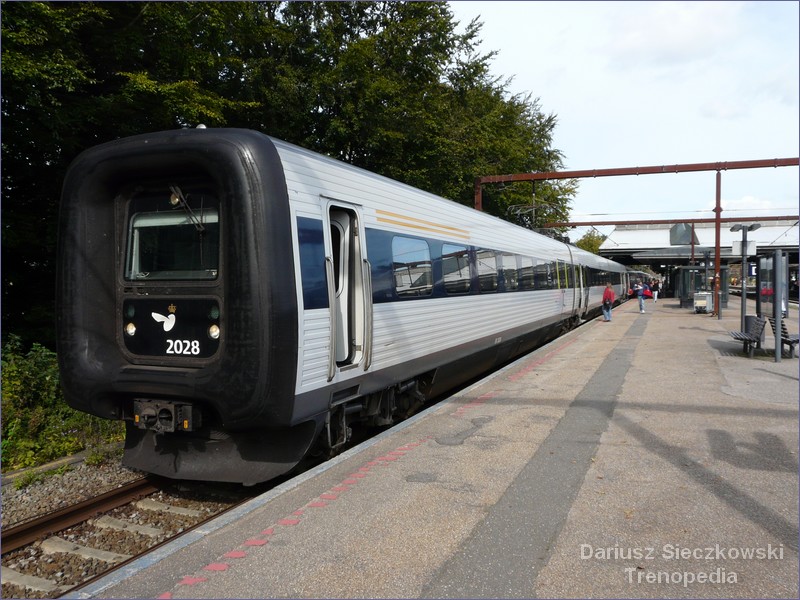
647	457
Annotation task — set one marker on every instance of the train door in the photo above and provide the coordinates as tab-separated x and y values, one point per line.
583	289
564	284
349	291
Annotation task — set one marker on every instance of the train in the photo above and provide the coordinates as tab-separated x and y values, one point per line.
243	303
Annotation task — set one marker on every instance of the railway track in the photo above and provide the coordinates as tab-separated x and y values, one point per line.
55	553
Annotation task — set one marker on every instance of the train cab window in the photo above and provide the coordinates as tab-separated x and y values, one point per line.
411	263
455	267
173	244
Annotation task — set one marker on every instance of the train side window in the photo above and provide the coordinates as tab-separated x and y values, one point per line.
508	266
487	270
544	276
526	277
411	264
455	267
312	263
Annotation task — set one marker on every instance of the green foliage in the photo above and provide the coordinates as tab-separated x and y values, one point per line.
101	455
37	425
32	476
388	86
27	478
591	241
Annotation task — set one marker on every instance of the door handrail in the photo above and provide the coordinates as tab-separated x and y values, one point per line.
332	303
366	275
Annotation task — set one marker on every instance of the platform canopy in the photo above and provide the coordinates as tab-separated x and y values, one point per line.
651	244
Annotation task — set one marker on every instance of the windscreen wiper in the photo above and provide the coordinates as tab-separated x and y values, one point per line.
177	199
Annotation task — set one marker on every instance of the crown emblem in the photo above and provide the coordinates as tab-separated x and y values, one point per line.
172	308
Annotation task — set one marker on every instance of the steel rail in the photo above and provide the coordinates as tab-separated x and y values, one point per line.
21	535
150	549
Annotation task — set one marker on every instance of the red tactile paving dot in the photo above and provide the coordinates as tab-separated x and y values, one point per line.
236	554
255	542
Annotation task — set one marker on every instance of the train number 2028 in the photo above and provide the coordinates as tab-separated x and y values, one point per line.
183	347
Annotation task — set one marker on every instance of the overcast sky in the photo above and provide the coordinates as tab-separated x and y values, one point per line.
658	83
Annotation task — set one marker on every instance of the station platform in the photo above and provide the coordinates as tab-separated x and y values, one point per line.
646	457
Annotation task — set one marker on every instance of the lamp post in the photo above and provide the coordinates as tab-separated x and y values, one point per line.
744	229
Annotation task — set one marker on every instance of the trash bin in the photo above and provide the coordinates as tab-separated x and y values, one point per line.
703	302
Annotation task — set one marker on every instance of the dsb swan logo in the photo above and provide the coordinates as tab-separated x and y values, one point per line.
169	320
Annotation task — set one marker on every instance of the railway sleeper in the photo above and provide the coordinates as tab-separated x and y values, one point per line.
31	582
106	522
55	544
156	506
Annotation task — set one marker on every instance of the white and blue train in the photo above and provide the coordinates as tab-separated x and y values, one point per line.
241	302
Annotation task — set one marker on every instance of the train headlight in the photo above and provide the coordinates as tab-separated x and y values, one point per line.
213	332
130	329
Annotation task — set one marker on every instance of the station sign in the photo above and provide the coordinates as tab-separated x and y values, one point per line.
752	249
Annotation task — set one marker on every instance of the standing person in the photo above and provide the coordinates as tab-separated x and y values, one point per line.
655	288
638	289
608	301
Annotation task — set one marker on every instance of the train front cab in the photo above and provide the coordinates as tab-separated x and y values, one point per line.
172	309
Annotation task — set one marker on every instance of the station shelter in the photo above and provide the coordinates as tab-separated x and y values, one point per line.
686	268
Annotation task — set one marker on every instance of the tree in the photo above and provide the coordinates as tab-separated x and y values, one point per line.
75	75
388	86
591	241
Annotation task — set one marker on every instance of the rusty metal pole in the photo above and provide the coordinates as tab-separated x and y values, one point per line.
717	257
478	194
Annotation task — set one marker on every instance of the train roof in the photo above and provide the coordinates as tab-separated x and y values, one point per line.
394	205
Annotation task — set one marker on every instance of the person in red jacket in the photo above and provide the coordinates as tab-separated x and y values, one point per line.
608	302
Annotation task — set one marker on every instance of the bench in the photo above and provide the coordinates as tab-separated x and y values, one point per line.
750	338
787	339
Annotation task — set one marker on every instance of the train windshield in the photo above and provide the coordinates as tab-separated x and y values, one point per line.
173	245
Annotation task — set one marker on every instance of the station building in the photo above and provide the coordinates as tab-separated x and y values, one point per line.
651	246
